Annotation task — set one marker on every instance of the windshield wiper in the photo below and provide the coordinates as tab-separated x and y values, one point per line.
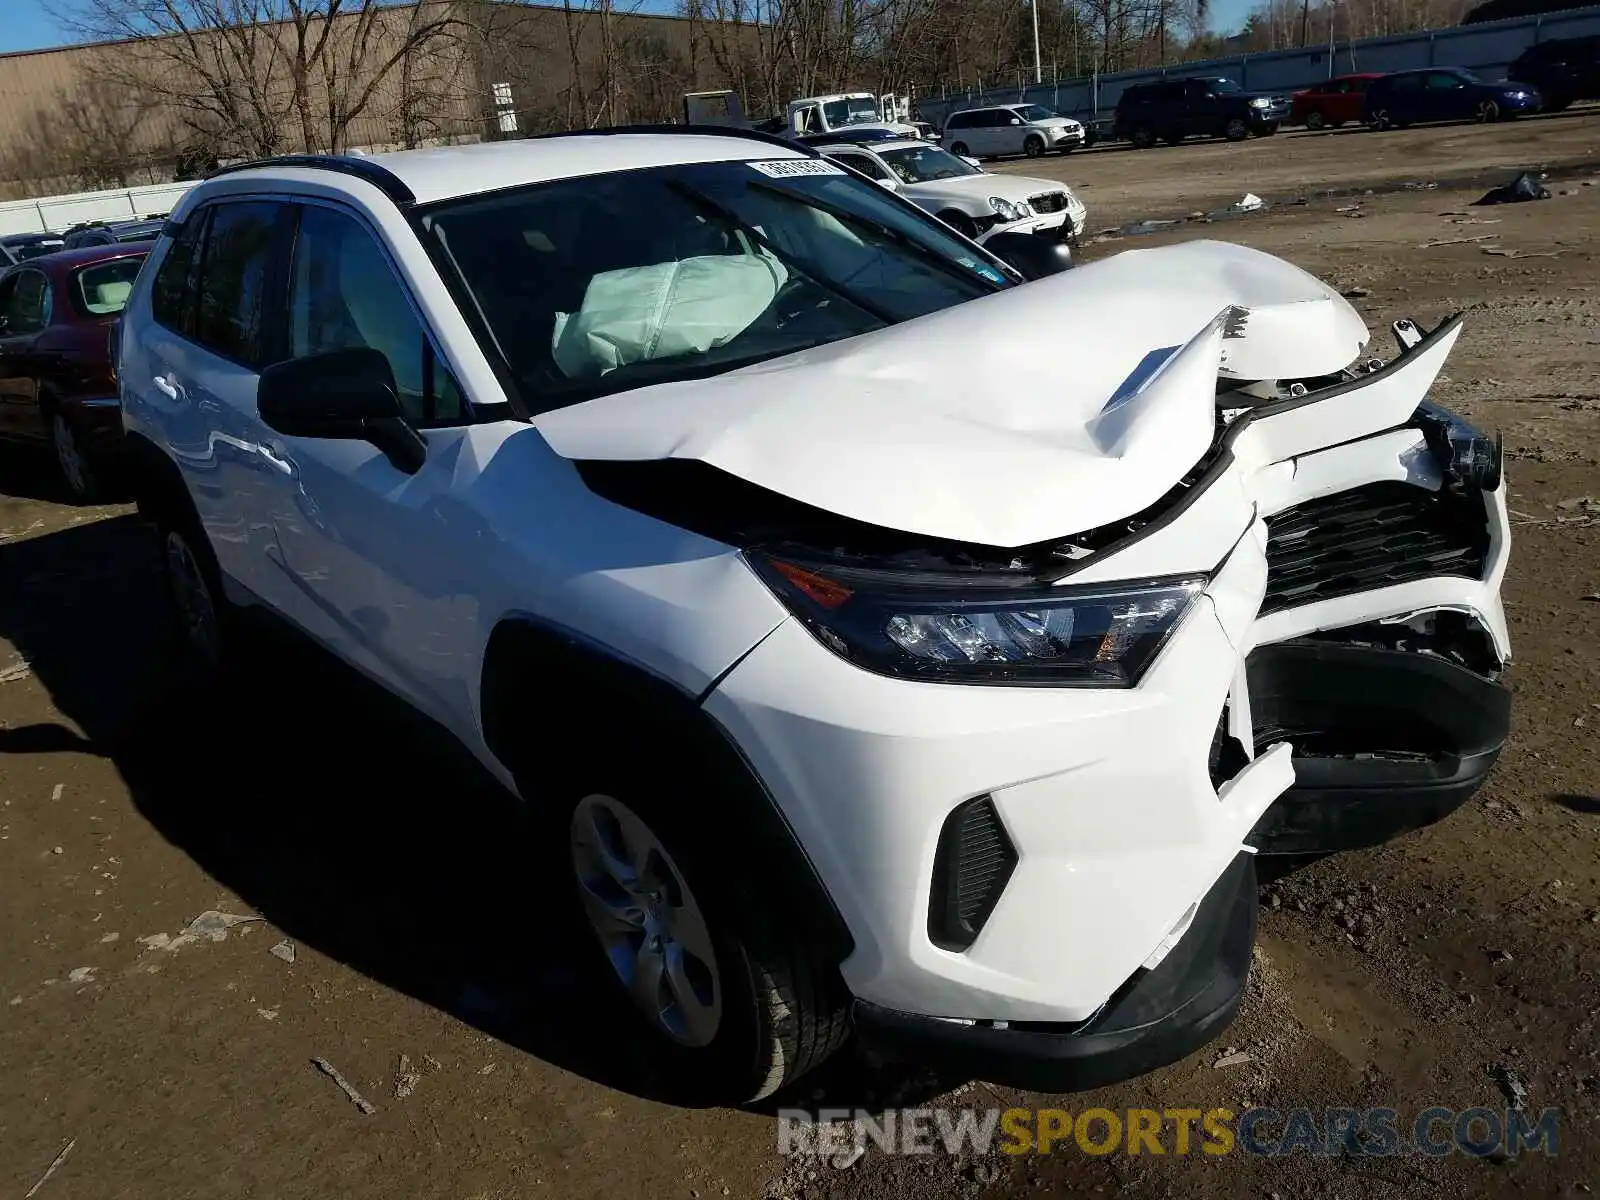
838	212
722	213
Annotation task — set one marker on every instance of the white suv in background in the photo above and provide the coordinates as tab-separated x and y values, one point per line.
967	198
895	646
1029	129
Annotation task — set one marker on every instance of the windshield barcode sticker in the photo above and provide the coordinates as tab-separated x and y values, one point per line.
784	168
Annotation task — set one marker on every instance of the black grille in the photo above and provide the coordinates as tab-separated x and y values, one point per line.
1048	202
973	863
1371	537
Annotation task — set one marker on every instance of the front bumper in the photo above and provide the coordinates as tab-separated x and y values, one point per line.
1066	224
1387	741
1066	139
1158	1017
1128	808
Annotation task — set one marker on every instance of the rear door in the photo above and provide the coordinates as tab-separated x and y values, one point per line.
25	310
197	368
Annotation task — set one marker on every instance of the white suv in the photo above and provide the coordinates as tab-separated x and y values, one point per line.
896	647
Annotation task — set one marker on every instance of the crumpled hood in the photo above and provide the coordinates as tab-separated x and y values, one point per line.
1024	416
978	188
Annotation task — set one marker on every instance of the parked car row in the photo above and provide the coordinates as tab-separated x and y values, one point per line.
1546	77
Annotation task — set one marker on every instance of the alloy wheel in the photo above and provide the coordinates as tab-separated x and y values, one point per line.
1315	120
1488	112
649	923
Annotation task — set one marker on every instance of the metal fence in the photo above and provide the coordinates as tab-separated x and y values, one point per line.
1489	47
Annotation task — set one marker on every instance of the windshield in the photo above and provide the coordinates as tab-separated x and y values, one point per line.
1224	87
922	164
102	290
1034	112
600	284
852	110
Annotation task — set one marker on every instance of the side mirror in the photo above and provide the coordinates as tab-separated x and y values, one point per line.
1033	255
1016	120
975	162
886	182
341	394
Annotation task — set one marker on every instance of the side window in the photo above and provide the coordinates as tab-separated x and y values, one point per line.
957	121
231	316
1441	81
171	303
27	307
344	293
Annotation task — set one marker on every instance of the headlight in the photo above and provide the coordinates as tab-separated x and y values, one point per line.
966	632
1006	210
1260	102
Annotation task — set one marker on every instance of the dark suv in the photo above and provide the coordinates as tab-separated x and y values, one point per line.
1178	108
1563	69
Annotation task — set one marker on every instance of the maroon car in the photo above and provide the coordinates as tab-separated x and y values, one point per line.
58	381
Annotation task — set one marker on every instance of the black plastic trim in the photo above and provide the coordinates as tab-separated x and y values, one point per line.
1397	740
546	686
1156	1018
385	180
959	904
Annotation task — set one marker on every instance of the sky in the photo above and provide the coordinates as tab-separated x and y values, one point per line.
25	25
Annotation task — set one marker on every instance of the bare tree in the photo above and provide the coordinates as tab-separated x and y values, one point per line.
240	75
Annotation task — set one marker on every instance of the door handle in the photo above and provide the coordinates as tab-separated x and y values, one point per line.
169	390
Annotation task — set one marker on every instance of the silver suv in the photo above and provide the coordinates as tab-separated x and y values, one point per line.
1029	129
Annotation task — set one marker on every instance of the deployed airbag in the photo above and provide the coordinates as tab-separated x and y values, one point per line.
688	306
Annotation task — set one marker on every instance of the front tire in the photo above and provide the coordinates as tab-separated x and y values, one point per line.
1316	122
1488	112
1033	146
960	222
1236	129
1143	137
735	1000
1378	120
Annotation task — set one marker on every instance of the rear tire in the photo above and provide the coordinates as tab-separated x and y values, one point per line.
1143	137
77	471
1378	120
735	1000
959	149
203	622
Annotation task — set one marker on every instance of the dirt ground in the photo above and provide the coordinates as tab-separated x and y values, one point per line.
422	970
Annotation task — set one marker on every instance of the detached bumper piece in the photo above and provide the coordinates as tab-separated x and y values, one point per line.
1385	741
1156	1018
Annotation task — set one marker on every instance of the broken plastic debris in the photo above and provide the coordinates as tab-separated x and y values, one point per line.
210	925
81	975
271	1014
55	792
17	670
1237	1058
1249	202
406	1078
283	950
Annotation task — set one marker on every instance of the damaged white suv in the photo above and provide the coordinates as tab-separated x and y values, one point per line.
900	648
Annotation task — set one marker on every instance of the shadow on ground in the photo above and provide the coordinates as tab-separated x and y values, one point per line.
335	814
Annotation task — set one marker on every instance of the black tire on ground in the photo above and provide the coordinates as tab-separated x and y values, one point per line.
783	1009
960	222
1378	120
959	149
1033	145
1236	129
1488	112
1143	137
1315	121
73	463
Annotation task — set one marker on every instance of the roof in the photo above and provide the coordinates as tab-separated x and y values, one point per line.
446	172
63	261
877	147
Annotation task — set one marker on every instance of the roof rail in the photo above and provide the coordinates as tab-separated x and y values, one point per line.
754	135
380	177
